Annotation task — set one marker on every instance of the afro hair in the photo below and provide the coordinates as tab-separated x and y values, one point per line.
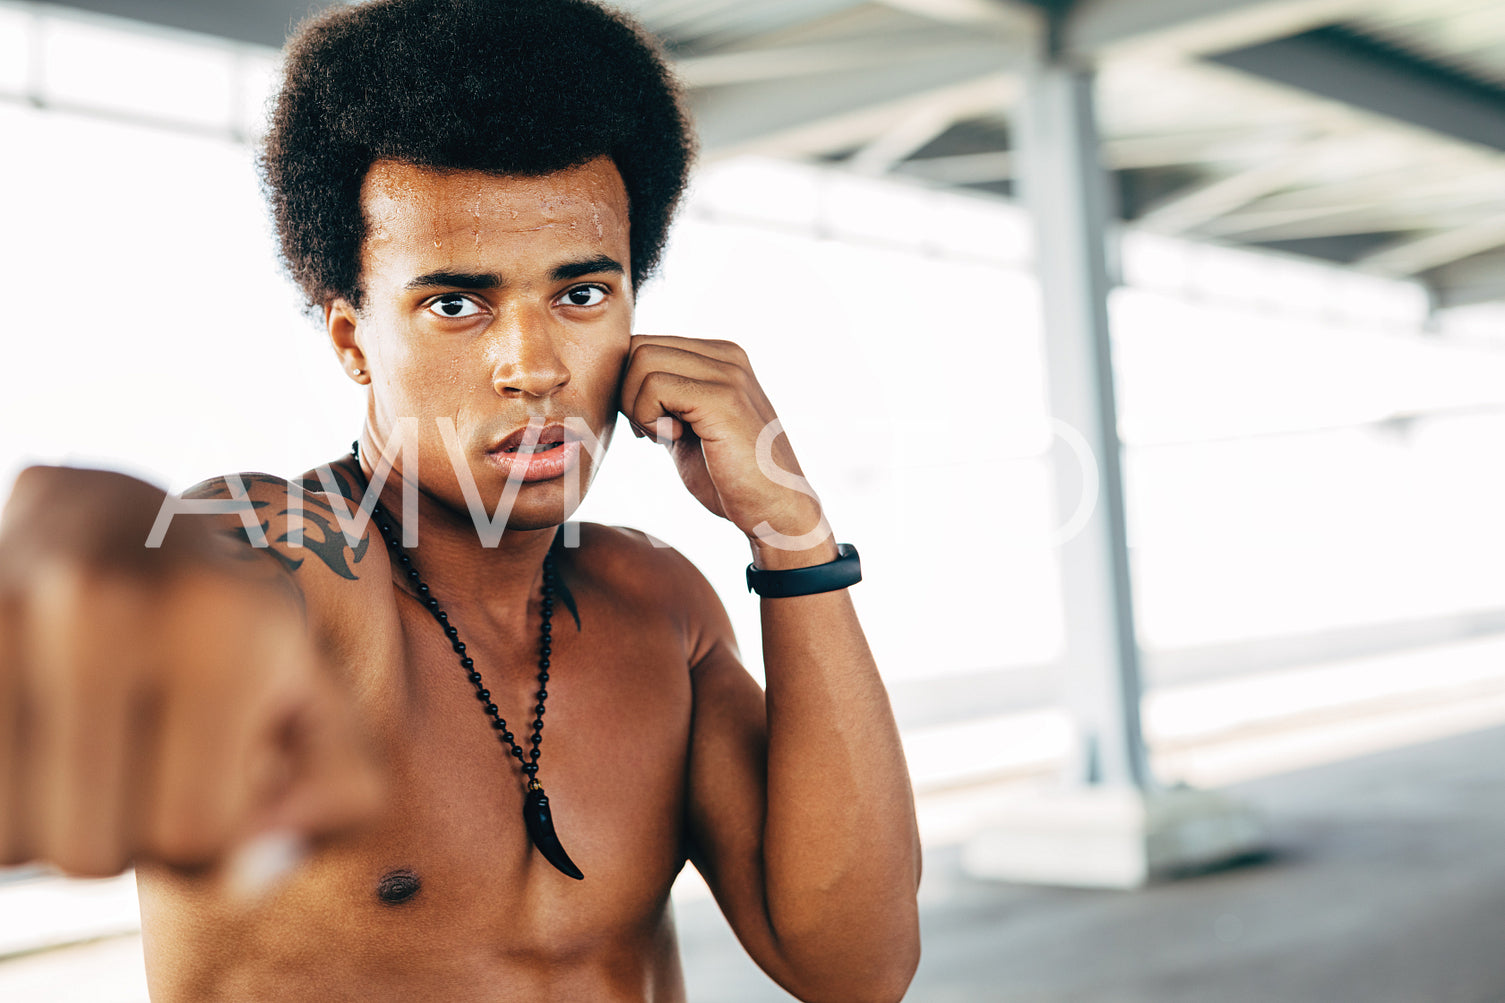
524	87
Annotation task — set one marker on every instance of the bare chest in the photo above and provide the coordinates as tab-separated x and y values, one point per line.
473	894
612	758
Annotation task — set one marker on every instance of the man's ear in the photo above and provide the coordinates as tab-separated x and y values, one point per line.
342	322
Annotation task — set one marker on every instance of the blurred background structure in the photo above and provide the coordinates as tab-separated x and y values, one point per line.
1140	345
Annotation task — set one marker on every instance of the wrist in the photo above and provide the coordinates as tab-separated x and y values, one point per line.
843	571
796	537
777	555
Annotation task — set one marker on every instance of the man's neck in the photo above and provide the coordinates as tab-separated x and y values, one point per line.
452	559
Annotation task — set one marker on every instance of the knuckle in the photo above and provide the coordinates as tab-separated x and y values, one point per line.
60	578
11	612
83	846
651	358
16	843
732	387
732	349
183	842
657	381
68	585
90	859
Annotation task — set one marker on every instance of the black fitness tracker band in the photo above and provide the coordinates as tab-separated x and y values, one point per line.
838	574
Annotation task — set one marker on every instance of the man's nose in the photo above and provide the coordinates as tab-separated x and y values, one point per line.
528	362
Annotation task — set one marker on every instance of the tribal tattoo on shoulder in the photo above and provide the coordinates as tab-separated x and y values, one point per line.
321	534
320	530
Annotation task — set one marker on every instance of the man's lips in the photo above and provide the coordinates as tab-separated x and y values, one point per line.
533	454
548	437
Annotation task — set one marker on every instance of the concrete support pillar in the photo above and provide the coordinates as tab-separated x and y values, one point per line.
1065	188
1108	824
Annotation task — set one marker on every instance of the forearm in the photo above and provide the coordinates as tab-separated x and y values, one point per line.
802	805
841	847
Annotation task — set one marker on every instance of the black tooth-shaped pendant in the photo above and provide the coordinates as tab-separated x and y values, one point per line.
540	823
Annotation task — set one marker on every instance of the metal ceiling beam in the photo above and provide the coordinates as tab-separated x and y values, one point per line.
1424	178
714	23
1479	279
1342	67
753	65
1192	207
963	168
1174	149
812	114
1341	221
1345	214
264	22
908	135
1191	27
1444	185
1169	150
1010	15
1443	247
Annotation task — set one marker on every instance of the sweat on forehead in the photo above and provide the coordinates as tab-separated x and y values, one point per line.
417	207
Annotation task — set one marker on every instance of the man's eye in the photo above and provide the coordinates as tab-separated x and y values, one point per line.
454	305
583	296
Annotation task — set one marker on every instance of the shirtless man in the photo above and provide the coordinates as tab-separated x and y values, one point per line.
471	191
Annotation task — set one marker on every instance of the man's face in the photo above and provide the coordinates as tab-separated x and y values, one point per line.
492	301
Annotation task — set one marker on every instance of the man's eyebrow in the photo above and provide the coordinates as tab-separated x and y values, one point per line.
590	266
490	280
462	280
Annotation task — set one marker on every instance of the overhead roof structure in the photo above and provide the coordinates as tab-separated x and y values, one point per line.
1365	132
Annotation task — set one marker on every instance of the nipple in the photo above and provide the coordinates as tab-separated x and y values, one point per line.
397	887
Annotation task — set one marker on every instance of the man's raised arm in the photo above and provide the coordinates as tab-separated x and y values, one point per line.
801	812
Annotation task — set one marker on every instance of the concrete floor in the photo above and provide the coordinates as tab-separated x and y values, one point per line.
1386	885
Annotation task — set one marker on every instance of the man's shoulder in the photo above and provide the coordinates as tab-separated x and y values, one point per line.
336	478
614	541
250	483
267	489
617	551
658	583
631	562
298	518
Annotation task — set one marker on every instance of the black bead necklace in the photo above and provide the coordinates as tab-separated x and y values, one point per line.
536	814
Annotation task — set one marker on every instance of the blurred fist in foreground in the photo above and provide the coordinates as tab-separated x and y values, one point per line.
161	705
